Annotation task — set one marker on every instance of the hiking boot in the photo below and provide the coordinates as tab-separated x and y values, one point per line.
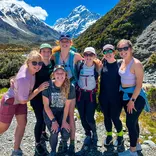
17	152
128	153
108	144
45	136
52	153
40	150
119	143
71	150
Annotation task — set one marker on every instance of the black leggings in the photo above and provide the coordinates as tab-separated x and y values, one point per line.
37	106
86	109
111	108
132	119
54	136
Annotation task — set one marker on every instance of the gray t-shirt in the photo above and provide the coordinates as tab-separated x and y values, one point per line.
55	97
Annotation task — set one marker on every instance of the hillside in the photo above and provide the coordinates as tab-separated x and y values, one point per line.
127	20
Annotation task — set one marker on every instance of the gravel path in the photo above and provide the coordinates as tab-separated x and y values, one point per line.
6	140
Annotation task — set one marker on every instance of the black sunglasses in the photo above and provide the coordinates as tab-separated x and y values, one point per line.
64	36
108	51
91	54
35	63
123	49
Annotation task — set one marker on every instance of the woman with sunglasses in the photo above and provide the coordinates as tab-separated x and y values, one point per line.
86	89
68	58
133	97
15	100
109	98
42	76
56	100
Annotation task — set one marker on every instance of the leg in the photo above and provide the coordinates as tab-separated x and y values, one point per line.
19	132
71	119
53	141
4	127
81	106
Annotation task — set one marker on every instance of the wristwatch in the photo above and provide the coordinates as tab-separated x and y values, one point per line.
132	99
53	120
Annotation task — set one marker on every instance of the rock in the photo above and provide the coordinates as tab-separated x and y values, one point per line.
144	146
150	143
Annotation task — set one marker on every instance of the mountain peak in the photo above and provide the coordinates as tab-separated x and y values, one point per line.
77	21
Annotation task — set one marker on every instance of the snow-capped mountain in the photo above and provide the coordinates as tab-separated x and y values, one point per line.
77	21
16	24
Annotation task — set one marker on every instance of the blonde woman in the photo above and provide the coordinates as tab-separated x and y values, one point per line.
133	97
14	102
56	100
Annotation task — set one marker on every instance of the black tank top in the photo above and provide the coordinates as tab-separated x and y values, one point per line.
110	79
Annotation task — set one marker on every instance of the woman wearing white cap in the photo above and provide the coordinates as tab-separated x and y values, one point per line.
109	97
87	72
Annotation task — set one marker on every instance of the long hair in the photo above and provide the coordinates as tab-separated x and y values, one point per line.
33	55
65	88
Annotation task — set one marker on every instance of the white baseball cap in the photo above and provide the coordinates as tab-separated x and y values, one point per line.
90	49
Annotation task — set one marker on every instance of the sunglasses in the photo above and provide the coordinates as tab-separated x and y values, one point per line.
88	54
109	51
35	63
65	36
123	49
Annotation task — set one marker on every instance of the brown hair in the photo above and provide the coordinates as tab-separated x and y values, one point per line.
33	55
125	41
65	88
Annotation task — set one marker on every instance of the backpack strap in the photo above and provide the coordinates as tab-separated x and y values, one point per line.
57	57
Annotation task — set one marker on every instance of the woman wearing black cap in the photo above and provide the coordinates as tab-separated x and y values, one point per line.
56	100
37	104
109	97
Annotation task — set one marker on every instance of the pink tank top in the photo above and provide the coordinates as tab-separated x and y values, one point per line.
126	76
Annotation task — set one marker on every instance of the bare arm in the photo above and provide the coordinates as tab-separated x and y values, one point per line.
77	58
47	108
139	73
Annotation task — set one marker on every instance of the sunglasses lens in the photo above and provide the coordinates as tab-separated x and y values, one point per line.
125	48
40	63
107	51
34	63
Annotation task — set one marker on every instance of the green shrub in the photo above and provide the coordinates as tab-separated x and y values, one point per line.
151	63
151	94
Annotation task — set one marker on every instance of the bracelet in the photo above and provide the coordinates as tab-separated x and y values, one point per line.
53	120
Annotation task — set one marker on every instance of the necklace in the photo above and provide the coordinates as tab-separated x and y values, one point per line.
64	59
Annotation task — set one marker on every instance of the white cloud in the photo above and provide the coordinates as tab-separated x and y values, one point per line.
36	11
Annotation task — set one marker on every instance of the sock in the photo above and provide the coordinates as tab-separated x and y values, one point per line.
120	134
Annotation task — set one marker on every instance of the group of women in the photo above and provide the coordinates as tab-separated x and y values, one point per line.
55	83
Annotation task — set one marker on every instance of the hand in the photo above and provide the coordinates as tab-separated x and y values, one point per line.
54	127
66	126
130	107
43	86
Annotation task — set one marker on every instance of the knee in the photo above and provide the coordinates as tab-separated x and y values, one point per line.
65	134
3	128
90	120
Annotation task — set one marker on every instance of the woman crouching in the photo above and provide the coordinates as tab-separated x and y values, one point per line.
56	100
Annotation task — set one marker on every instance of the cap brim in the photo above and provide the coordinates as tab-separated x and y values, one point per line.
55	69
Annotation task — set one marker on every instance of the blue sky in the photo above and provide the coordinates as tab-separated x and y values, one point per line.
62	8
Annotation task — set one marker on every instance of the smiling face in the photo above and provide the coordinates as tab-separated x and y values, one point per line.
35	65
109	54
65	44
89	56
60	75
46	53
125	50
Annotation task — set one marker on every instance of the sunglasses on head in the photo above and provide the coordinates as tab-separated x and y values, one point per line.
123	49
89	54
108	51
65	36
35	63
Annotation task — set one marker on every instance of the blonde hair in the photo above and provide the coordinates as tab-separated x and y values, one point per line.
33	55
65	88
125	41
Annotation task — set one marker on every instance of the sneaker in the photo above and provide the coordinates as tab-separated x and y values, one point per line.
71	150
39	149
17	152
87	140
108	140
45	136
128	153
